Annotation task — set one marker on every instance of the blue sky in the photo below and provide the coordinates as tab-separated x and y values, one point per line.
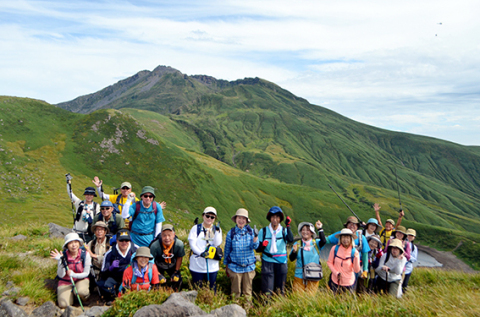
410	66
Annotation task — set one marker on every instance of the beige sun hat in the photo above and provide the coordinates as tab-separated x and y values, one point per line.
411	232
400	229
210	210
351	219
72	236
100	224
347	232
391	221
397	244
241	212
145	252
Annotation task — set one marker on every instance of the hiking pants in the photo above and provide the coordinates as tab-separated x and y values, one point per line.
339	288
405	282
299	285
392	287
65	295
198	279
241	283
274	277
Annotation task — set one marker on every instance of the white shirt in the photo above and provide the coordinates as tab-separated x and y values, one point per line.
198	246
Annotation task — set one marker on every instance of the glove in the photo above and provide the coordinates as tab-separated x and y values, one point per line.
288	221
162	279
379	254
364	274
255	231
176	277
115	265
204	254
265	243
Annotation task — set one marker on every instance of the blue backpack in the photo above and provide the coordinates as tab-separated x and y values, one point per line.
336	256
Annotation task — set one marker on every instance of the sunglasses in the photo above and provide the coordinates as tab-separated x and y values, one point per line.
125	187
105	208
169	256
209	217
148	196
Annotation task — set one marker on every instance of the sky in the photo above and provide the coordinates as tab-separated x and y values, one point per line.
409	66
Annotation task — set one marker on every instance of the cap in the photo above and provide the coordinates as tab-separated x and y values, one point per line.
126	184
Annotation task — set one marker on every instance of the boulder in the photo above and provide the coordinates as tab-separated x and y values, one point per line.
22	301
57	231
9	309
177	305
95	311
11	291
19	237
9	285
71	311
48	309
229	311
191	296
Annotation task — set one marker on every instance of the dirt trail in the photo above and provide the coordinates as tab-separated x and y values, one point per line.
447	258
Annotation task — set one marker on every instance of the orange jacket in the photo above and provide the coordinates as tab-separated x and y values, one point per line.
342	263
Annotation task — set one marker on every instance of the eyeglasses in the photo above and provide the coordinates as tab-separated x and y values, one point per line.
105	208
125	187
123	241
148	196
209	217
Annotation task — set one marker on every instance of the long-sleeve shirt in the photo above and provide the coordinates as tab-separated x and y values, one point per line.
310	256
363	251
342	263
198	244
281	255
413	258
406	248
239	252
80	270
396	266
83	218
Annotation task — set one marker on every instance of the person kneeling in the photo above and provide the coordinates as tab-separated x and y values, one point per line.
142	274
390	269
73	269
168	252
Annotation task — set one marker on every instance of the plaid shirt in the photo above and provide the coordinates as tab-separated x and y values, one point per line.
239	252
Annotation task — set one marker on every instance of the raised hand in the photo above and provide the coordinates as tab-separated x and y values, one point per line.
288	221
376	207
163	205
319	225
55	254
295	247
97	181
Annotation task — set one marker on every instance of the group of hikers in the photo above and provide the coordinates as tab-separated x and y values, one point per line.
124	244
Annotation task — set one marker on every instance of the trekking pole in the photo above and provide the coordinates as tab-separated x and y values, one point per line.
339	278
386	283
74	288
345	203
398	188
69	183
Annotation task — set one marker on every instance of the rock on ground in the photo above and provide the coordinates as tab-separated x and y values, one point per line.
9	309
48	309
57	231
233	310
95	311
71	311
22	301
12	291
175	306
19	237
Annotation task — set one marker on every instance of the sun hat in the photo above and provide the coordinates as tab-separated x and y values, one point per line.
373	221
411	232
376	238
143	251
90	191
391	221
395	243
100	224
309	225
346	232
351	219
72	236
241	212
275	210
148	189
400	229
168	227
126	184
210	210
123	235
106	203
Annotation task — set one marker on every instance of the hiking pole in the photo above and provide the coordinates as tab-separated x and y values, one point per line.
69	183
345	203
398	188
74	288
386	282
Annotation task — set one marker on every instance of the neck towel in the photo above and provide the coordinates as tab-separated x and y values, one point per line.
273	248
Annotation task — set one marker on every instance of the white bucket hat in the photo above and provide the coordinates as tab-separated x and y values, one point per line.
241	212
72	236
309	225
347	232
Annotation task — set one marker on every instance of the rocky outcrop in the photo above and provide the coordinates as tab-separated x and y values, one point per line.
57	231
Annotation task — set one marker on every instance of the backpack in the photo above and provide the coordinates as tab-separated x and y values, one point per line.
117	204
114	227
83	255
233	233
107	244
262	248
352	256
134	277
80	209
137	212
199	229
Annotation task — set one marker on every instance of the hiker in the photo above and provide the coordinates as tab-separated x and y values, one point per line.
113	220
390	269
374	256
115	262
204	265
239	257
168	252
371	227
308	254
85	209
142	274
344	262
411	235
146	217
273	245
401	234
390	225
121	199
361	244
78	262
98	247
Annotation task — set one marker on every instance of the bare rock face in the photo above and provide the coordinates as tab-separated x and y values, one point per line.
57	231
233	310
48	309
95	311
177	305
9	309
72	312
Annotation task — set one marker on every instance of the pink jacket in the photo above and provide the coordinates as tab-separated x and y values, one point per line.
342	263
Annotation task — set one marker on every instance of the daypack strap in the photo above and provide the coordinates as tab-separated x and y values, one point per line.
138	206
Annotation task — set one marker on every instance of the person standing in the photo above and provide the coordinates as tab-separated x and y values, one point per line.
273	245
146	217
168	252
203	268
239	257
411	235
390	269
390	225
